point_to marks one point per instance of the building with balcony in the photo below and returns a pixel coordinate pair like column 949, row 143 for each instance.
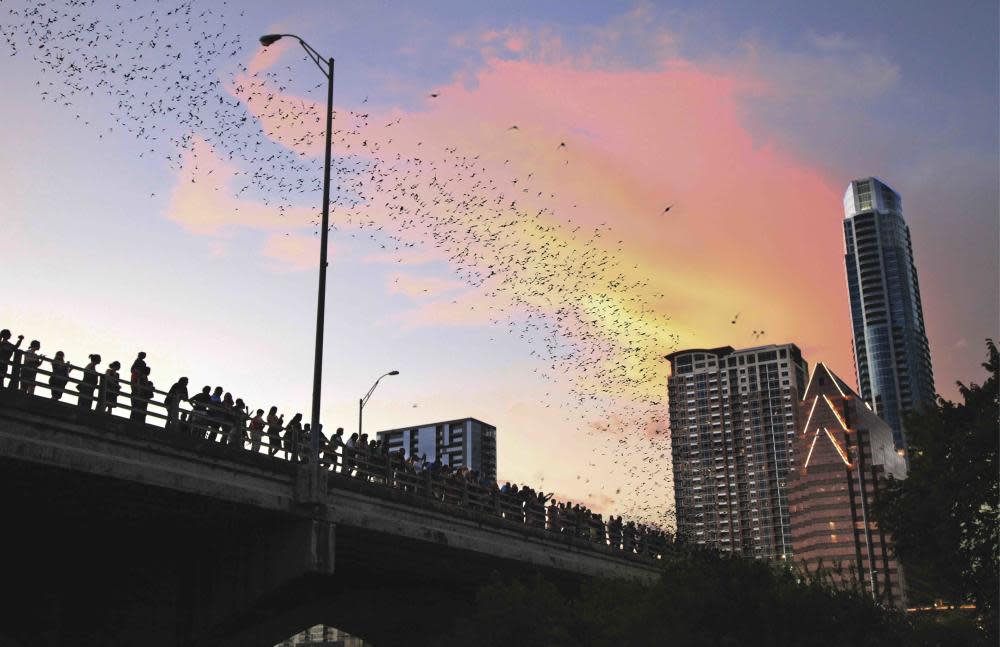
column 891, row 355
column 733, row 418
column 845, row 452
column 466, row 442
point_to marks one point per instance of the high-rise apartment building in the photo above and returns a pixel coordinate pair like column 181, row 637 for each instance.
column 891, row 355
column 458, row 443
column 844, row 454
column 733, row 417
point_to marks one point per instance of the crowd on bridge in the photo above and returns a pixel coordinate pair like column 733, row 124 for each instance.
column 216, row 416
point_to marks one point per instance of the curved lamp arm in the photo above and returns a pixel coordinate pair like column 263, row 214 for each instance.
column 321, row 63
column 368, row 395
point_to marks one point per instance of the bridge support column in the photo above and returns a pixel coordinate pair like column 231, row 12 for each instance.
column 260, row 576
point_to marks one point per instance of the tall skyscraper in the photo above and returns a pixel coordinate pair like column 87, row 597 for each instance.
column 733, row 418
column 891, row 355
column 845, row 452
column 467, row 443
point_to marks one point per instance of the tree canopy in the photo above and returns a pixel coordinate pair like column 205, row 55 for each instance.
column 944, row 515
column 703, row 598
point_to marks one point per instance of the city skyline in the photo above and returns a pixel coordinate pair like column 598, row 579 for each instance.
column 753, row 228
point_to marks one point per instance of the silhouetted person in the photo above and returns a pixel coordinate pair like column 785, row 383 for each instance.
column 215, row 414
column 177, row 394
column 334, row 448
column 59, row 377
column 274, row 423
column 112, row 386
column 305, row 443
column 138, row 370
column 29, row 366
column 225, row 416
column 236, row 421
column 256, row 430
column 88, row 384
column 350, row 451
column 199, row 410
column 292, row 432
column 142, row 393
column 6, row 352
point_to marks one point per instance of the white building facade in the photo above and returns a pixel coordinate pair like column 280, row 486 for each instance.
column 466, row 442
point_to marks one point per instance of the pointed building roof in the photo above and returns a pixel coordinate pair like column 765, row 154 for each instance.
column 828, row 383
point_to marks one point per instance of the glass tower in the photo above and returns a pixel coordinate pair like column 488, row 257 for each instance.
column 891, row 355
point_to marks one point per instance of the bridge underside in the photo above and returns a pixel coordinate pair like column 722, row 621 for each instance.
column 92, row 560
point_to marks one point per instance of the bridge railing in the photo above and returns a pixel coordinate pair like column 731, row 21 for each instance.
column 119, row 396
column 211, row 422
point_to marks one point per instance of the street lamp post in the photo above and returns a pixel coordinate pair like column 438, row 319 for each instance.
column 363, row 401
column 326, row 67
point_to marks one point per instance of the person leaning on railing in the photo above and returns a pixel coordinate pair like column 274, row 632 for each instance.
column 274, row 424
column 87, row 386
column 112, row 386
column 178, row 393
column 334, row 449
column 138, row 369
column 350, row 449
column 291, row 439
column 142, row 392
column 213, row 411
column 29, row 366
column 59, row 376
column 223, row 413
column 7, row 350
column 199, row 411
column 256, row 430
column 236, row 417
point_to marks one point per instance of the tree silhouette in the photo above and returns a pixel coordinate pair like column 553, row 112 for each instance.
column 703, row 598
column 944, row 515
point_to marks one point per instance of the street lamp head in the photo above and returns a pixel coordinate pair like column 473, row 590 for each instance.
column 269, row 39
column 393, row 372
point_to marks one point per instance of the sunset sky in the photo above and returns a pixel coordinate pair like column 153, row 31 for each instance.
column 749, row 119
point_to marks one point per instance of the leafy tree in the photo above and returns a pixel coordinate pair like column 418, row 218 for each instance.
column 944, row 515
column 702, row 599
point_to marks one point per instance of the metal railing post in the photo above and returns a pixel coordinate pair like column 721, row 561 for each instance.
column 15, row 370
column 102, row 392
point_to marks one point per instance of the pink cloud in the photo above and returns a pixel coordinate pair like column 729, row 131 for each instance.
column 514, row 44
column 203, row 200
column 293, row 253
column 751, row 228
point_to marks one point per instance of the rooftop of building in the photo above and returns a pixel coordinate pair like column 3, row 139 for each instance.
column 435, row 424
column 723, row 351
column 883, row 198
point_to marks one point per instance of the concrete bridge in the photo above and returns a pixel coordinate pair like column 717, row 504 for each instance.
column 121, row 533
